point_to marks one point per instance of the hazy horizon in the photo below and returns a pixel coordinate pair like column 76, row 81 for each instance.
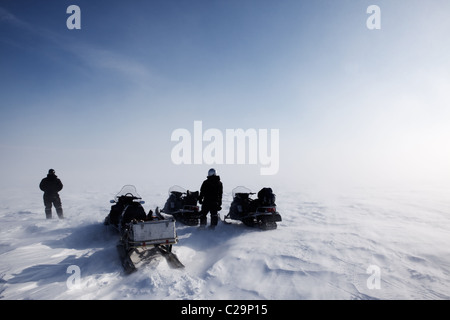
column 100, row 104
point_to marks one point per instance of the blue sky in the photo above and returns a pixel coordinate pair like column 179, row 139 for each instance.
column 350, row 103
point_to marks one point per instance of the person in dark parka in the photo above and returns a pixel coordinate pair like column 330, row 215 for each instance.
column 51, row 185
column 211, row 198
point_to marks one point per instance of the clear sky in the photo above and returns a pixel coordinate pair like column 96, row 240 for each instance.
column 99, row 104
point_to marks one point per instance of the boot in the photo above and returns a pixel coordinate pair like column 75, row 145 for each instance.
column 214, row 221
column 203, row 221
column 59, row 211
column 48, row 213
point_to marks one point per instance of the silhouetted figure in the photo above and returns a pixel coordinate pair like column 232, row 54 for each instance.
column 51, row 185
column 211, row 198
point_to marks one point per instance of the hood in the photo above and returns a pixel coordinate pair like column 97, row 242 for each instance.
column 213, row 178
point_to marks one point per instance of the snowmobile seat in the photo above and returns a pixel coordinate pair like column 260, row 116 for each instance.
column 191, row 198
column 134, row 211
column 252, row 205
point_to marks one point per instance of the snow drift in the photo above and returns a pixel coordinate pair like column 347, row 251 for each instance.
column 361, row 244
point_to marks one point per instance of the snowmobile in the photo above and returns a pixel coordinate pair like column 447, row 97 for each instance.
column 140, row 232
column 182, row 205
column 261, row 212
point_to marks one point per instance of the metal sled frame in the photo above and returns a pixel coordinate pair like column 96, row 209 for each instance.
column 159, row 232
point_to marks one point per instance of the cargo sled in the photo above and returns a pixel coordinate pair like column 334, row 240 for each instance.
column 140, row 232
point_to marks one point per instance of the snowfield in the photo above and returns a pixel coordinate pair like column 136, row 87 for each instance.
column 366, row 243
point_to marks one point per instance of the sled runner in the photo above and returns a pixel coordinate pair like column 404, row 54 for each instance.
column 260, row 213
column 139, row 231
column 182, row 205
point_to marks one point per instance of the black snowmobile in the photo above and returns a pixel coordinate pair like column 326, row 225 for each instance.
column 140, row 232
column 182, row 205
column 261, row 212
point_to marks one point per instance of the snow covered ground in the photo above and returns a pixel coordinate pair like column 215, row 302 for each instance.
column 362, row 243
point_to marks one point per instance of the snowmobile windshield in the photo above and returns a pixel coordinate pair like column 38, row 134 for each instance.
column 241, row 189
column 128, row 191
column 177, row 189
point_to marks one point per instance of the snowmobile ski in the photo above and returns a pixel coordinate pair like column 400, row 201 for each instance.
column 171, row 257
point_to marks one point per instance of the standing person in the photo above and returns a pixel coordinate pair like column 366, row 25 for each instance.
column 211, row 198
column 51, row 185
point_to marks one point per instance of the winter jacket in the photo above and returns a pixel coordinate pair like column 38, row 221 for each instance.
column 51, row 184
column 211, row 191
